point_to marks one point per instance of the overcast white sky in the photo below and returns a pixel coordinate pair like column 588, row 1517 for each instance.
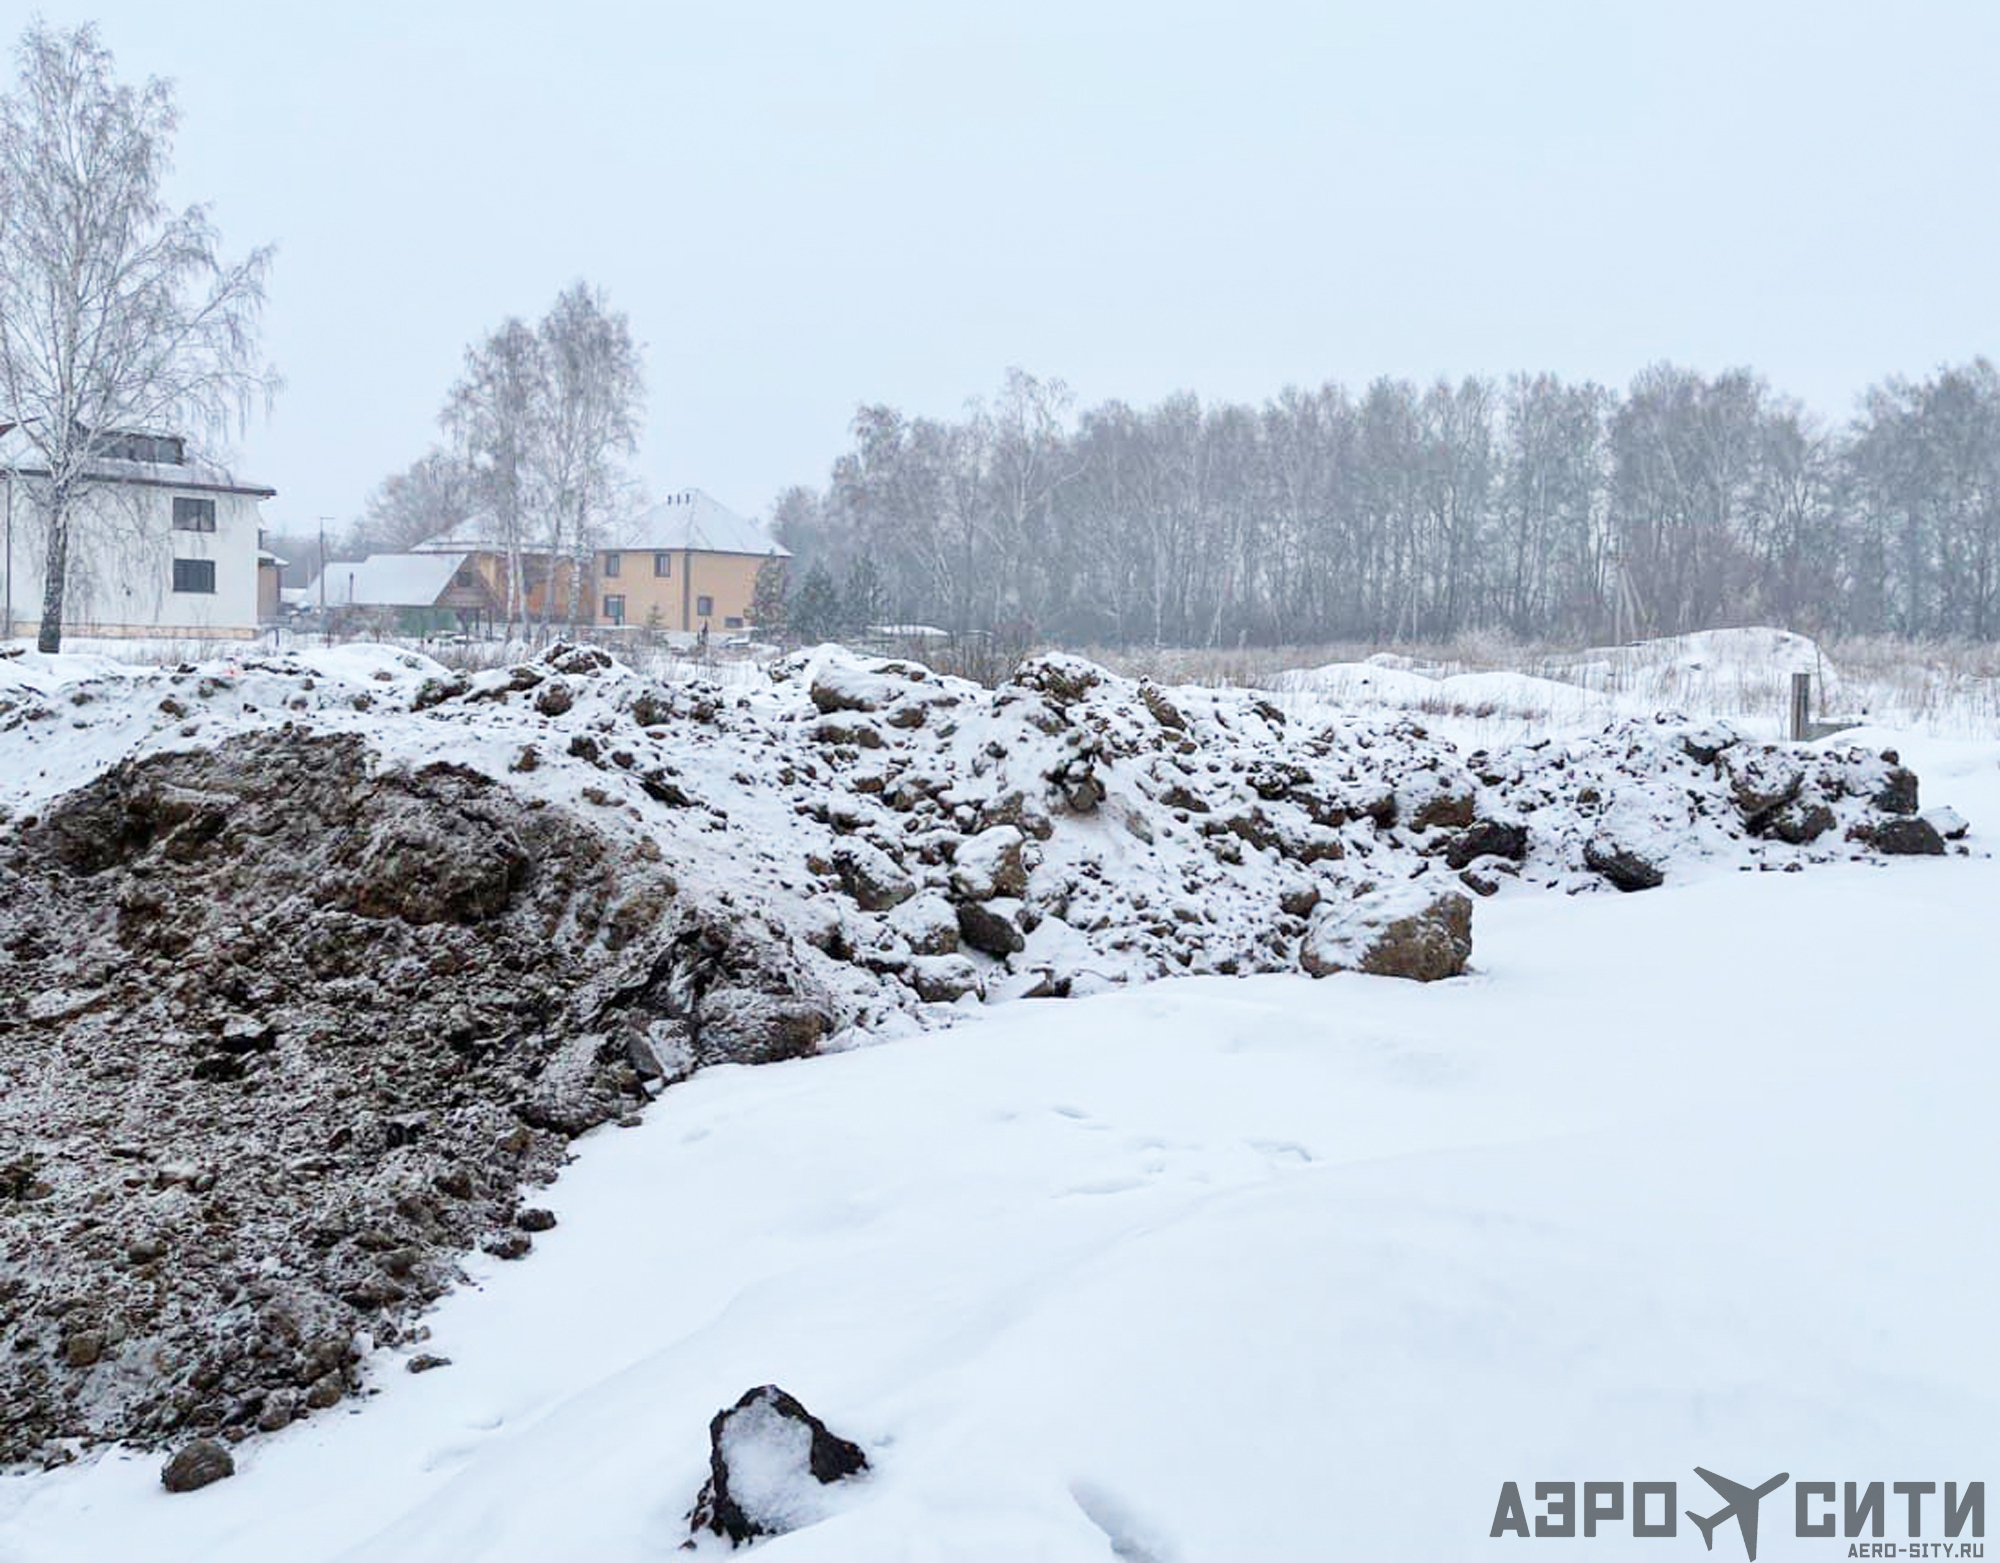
column 806, row 206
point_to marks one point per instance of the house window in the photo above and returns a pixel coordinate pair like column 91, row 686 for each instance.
column 611, row 565
column 193, row 515
column 663, row 564
column 614, row 609
column 464, row 577
column 732, row 624
column 161, row 450
column 704, row 606
column 194, row 575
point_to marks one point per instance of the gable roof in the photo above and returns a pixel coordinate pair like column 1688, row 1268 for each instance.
column 18, row 456
column 386, row 581
column 688, row 519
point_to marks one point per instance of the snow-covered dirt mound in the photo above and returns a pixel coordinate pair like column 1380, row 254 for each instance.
column 290, row 1038
column 922, row 840
column 316, row 935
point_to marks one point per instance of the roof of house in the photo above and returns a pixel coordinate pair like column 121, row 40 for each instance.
column 386, row 581
column 688, row 519
column 19, row 455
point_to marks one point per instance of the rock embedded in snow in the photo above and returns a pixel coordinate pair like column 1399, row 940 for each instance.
column 1762, row 780
column 943, row 979
column 1407, row 930
column 1064, row 678
column 1907, row 837
column 1163, row 710
column 1624, row 867
column 1898, row 791
column 873, row 878
column 842, row 684
column 991, row 927
column 928, row 923
column 990, row 864
column 196, row 1465
column 769, row 1465
column 1487, row 838
column 1946, row 821
column 1797, row 822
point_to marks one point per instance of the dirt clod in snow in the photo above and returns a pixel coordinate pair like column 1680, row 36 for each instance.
column 1408, row 931
column 1620, row 865
column 1908, row 838
column 196, row 1465
column 769, row 1461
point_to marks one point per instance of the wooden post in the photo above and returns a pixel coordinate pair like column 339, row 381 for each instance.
column 1801, row 722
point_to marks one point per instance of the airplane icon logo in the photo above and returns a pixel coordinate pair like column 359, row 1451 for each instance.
column 1742, row 1503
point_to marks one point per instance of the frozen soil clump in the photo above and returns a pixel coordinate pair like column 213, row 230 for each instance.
column 287, row 1034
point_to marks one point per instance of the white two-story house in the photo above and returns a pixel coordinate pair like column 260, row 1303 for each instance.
column 162, row 543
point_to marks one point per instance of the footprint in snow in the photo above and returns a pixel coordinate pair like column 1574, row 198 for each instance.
column 1131, row 1537
column 1105, row 1186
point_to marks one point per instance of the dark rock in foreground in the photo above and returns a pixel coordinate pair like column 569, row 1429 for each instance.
column 1405, row 931
column 1907, row 837
column 200, row 1463
column 1621, row 866
column 769, row 1461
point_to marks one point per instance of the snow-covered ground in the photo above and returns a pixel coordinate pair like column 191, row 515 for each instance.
column 1256, row 1269
column 1743, row 675
column 1260, row 1269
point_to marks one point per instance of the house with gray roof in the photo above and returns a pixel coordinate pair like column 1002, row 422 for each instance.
column 403, row 594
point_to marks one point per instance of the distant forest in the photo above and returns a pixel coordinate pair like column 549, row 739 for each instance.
column 1534, row 506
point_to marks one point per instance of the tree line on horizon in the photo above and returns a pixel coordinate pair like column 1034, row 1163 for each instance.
column 1533, row 506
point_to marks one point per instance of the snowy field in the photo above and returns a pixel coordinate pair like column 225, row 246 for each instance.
column 1499, row 693
column 1262, row 1269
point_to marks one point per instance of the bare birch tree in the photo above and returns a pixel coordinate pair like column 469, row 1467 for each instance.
column 431, row 495
column 593, row 390
column 491, row 415
column 116, row 313
column 541, row 419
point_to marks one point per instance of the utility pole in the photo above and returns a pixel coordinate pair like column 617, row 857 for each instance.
column 8, row 477
column 325, row 633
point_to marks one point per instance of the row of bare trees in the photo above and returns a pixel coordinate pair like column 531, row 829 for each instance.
column 1541, row 507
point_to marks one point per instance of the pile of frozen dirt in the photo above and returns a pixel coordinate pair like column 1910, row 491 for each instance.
column 325, row 959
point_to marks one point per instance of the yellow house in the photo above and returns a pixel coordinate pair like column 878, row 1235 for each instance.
column 686, row 565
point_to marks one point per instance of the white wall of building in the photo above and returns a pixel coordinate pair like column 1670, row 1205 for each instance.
column 122, row 577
